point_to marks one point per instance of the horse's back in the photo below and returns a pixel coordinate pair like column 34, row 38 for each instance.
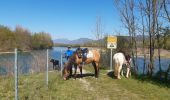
column 119, row 58
column 93, row 55
column 96, row 55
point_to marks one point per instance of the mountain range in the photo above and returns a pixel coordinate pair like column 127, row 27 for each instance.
column 77, row 41
column 85, row 40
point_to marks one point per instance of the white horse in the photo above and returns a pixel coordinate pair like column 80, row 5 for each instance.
column 119, row 59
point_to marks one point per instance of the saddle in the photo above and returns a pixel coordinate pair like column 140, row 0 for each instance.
column 85, row 51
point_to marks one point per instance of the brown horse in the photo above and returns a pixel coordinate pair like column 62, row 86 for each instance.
column 77, row 59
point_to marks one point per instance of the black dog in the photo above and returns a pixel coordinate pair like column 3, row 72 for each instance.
column 55, row 63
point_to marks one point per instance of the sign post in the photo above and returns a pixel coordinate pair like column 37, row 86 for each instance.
column 111, row 50
column 111, row 44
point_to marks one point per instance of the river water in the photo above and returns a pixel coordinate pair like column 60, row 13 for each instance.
column 35, row 61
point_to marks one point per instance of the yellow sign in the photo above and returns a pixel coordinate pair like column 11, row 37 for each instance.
column 112, row 39
column 112, row 42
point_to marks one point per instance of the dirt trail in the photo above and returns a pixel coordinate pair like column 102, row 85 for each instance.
column 85, row 83
column 119, row 92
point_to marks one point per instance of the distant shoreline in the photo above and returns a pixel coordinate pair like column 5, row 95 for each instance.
column 10, row 52
column 164, row 53
column 155, row 56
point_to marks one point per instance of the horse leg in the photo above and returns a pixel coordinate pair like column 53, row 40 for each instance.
column 70, row 70
column 119, row 69
column 80, row 67
column 115, row 69
column 54, row 67
column 58, row 67
column 122, row 72
column 75, row 71
column 94, row 65
column 97, row 69
column 127, row 73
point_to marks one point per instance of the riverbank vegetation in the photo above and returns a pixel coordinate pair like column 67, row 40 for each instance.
column 23, row 39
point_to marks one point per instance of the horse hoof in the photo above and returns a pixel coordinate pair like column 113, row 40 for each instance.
column 119, row 78
column 65, row 78
column 74, row 78
column 127, row 77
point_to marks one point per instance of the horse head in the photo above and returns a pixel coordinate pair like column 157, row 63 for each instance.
column 128, row 60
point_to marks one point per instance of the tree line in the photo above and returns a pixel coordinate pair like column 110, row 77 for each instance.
column 23, row 39
column 149, row 18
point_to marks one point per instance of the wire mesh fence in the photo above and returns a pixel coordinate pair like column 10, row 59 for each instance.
column 28, row 62
column 7, row 64
column 21, row 65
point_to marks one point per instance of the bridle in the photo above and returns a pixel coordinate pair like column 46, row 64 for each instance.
column 79, row 53
column 128, row 63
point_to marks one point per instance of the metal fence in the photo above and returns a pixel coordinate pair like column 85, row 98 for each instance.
column 27, row 62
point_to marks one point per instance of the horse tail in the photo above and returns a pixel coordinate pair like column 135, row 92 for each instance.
column 115, row 67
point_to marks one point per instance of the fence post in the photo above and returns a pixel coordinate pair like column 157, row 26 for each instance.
column 111, row 59
column 47, row 70
column 61, row 63
column 16, row 75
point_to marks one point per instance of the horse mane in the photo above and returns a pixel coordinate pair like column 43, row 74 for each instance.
column 127, row 56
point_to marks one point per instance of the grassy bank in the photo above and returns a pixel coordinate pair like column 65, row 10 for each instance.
column 32, row 87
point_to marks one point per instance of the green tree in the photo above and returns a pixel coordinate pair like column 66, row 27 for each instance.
column 7, row 39
column 23, row 38
column 41, row 40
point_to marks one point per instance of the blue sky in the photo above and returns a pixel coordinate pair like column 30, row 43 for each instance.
column 71, row 19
